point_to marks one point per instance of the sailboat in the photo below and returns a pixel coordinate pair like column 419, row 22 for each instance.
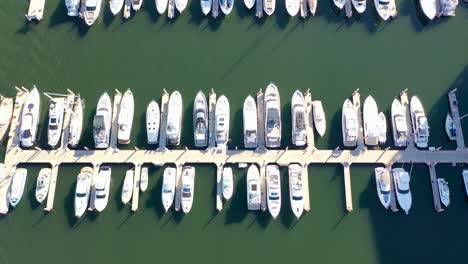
column 174, row 119
column 16, row 190
column 125, row 118
column 272, row 117
column 359, row 5
column 90, row 11
column 419, row 123
column 127, row 188
column 54, row 129
column 399, row 124
column 161, row 6
column 200, row 120
column 298, row 116
column 269, row 6
column 250, row 122
column 296, row 189
column 76, row 123
column 292, row 7
column 83, row 187
column 383, row 183
column 6, row 114
column 228, row 183
column 73, row 7
column 116, row 6
column 273, row 183
column 349, row 124
column 102, row 188
column 444, row 191
column 249, row 3
column 144, row 179
column 30, row 119
column 206, row 6
column 153, row 117
column 450, row 127
column 226, row 6
column 253, row 188
column 42, row 184
column 168, row 187
column 320, row 122
column 370, row 120
column 222, row 121
column 102, row 122
column 188, row 188
column 382, row 128
column 402, row 188
column 429, row 8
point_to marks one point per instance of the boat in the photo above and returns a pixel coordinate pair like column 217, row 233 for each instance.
column 450, row 127
column 102, row 122
column 465, row 180
column 200, row 121
column 168, row 187
column 153, row 118
column 292, row 7
column 83, row 187
column 35, row 10
column 296, row 189
column 16, row 190
column 444, row 191
column 76, row 123
column 161, row 6
column 102, row 188
column 402, row 188
column 30, row 119
column 320, row 122
column 206, row 6
column 370, row 116
column 125, row 118
column 250, row 122
column 188, row 188
column 383, row 183
column 116, row 6
column 359, row 5
column 73, row 7
column 6, row 114
column 349, row 124
column 272, row 117
column 312, row 6
column 269, row 6
column 382, row 128
column 181, row 5
column 249, row 3
column 136, row 4
column 144, row 179
column 385, row 8
column 429, row 8
column 54, row 129
column 90, row 11
column 228, row 183
column 298, row 116
column 222, row 121
column 419, row 123
column 42, row 184
column 174, row 119
column 447, row 7
column 339, row 3
column 273, row 184
column 226, row 6
column 253, row 188
column 399, row 124
column 127, row 188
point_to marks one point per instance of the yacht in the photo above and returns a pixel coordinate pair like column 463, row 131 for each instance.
column 419, row 123
column 370, row 118
column 296, row 189
column 273, row 184
column 181, row 5
column 450, row 127
column 382, row 128
column 125, row 118
column 312, row 6
column 383, row 183
column 465, row 180
column 144, row 179
column 402, row 188
column 205, row 6
column 102, row 188
column 6, row 114
column 269, row 6
column 339, row 3
column 116, row 6
column 161, row 6
column 292, row 6
column 249, row 3
column 429, row 8
column 90, row 11
column 272, row 117
column 136, row 4
column 399, row 124
column 200, row 120
column 250, row 122
column 73, row 7
column 349, row 124
column 30, row 119
column 298, row 117
column 168, row 187
column 174, row 119
column 359, row 5
column 444, row 191
column 17, row 186
column 76, row 123
column 385, row 8
column 102, row 122
column 153, row 118
column 447, row 7
column 320, row 122
column 83, row 187
column 42, row 184
column 226, row 6
column 127, row 188
column 253, row 188
column 222, row 121
column 188, row 188
column 54, row 130
column 228, row 183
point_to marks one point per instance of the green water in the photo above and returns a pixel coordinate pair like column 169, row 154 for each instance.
column 236, row 56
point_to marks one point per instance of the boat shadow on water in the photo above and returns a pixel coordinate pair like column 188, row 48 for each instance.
column 236, row 211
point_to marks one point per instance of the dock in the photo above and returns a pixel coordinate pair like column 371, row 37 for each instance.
column 263, row 191
column 219, row 188
column 136, row 187
column 309, row 121
column 35, row 10
column 357, row 105
column 178, row 191
column 215, row 9
column 305, row 186
column 434, row 187
column 405, row 103
column 259, row 9
column 348, row 9
column 456, row 119
column 212, row 119
column 261, row 122
column 393, row 199
column 115, row 120
column 52, row 186
column 69, row 102
column 163, row 125
column 347, row 187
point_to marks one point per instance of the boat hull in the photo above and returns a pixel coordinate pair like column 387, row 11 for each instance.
column 222, row 116
column 16, row 190
column 272, row 117
column 76, row 123
column 161, row 6
column 174, row 119
column 29, row 119
column 399, row 124
column 320, row 121
column 296, row 191
column 188, row 181
column 253, row 188
column 228, row 183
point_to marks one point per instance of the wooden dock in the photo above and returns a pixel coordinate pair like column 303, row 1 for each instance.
column 305, row 186
column 393, row 199
column 163, row 125
column 178, row 191
column 456, row 118
column 405, row 103
column 259, row 9
column 309, row 121
column 136, row 187
column 261, row 122
column 212, row 120
column 115, row 117
column 360, row 132
column 219, row 188
column 434, row 187
column 347, row 187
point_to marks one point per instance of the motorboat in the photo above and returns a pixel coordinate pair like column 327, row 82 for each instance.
column 200, row 121
column 6, row 114
column 83, row 187
column 153, row 118
column 205, row 6
column 181, row 5
column 447, row 7
column 127, row 188
column 429, row 8
column 312, row 6
column 161, row 6
column 116, row 6
column 136, row 4
column 349, row 124
column 383, row 183
column 273, row 184
column 168, row 187
column 222, row 121
column 382, row 128
column 385, row 8
column 73, row 7
column 419, row 123
column 144, row 179
column 402, row 188
column 450, row 127
column 30, row 119
column 174, row 119
column 253, row 188
column 102, row 122
column 370, row 116
column 359, row 5
column 35, row 10
column 76, row 123
column 399, row 124
column 444, row 191
column 250, row 122
column 320, row 122
column 125, row 118
column 42, row 184
column 249, row 3
column 298, row 117
column 54, row 129
column 292, row 7
column 90, row 10
column 228, row 183
column 102, row 188
column 296, row 189
column 339, row 3
column 226, row 6
column 272, row 117
column 17, row 186
column 465, row 180
column 188, row 188
column 269, row 6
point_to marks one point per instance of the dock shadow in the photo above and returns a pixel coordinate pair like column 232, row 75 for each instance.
column 287, row 217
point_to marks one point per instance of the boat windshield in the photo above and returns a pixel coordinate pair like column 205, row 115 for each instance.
column 53, row 127
column 273, row 118
column 98, row 122
column 101, row 196
column 297, row 198
column 274, row 198
column 53, row 120
column 186, row 195
column 384, row 2
column 300, row 124
column 27, row 133
column 80, row 195
column 253, row 187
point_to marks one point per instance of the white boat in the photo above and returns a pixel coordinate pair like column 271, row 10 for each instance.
column 382, row 128
column 320, row 122
column 465, row 180
column 35, row 10
column 292, row 6
column 450, row 127
column 339, row 3
column 222, row 121
column 385, row 8
column 116, row 6
column 359, row 5
column 402, row 188
column 102, row 122
column 200, row 120
column 447, row 7
column 206, row 6
column 153, row 118
column 76, row 123
column 30, row 119
column 174, row 119
column 250, row 122
column 161, row 6
column 419, row 123
column 249, row 3
column 83, row 187
column 370, row 118
column 349, row 124
column 90, row 10
column 444, row 191
column 312, row 6
column 226, row 6
column 6, row 114
column 144, row 179
column 298, row 116
column 269, row 6
column 188, row 188
column 17, row 186
column 181, row 5
column 54, row 129
column 73, row 7
column 429, row 8
column 136, row 4
column 228, row 183
column 125, row 118
column 273, row 184
column 383, row 183
column 127, row 188
column 296, row 189
column 253, row 188
column 42, row 184
column 399, row 124
column 102, row 188
column 272, row 117
column 168, row 187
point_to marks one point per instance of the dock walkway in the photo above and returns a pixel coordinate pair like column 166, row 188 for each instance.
column 456, row 118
